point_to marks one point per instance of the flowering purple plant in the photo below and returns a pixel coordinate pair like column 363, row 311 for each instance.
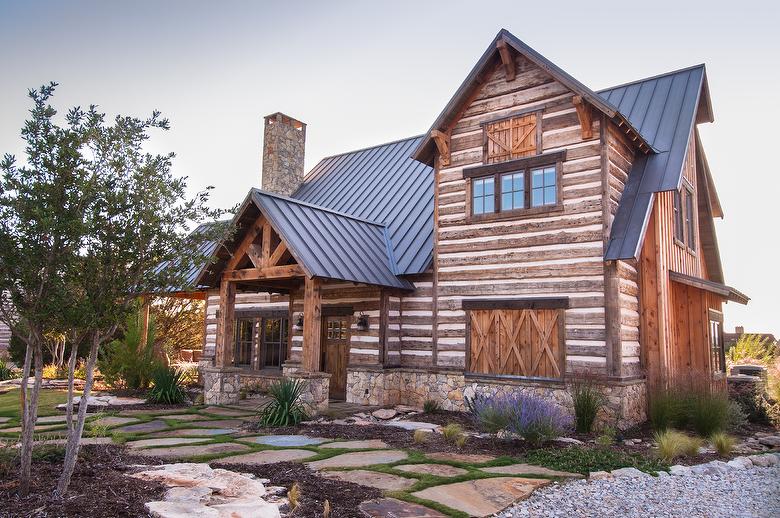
column 535, row 419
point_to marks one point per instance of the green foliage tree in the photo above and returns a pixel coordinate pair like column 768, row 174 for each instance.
column 753, row 349
column 127, row 362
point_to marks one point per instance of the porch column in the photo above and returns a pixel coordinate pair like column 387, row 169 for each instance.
column 227, row 302
column 312, row 324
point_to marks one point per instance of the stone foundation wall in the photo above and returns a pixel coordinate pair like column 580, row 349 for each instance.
column 315, row 394
column 221, row 386
column 625, row 401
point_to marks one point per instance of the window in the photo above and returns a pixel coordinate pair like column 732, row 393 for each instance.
column 261, row 342
column 510, row 138
column 337, row 330
column 685, row 217
column 512, row 191
column 717, row 351
column 245, row 339
column 274, row 346
column 544, row 187
column 526, row 185
column 483, row 200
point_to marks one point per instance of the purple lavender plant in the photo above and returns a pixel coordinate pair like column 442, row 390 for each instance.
column 537, row 420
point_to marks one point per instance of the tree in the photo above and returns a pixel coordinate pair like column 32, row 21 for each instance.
column 179, row 325
column 137, row 240
column 41, row 229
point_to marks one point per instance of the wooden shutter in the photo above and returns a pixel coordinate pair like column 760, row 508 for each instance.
column 525, row 342
column 510, row 138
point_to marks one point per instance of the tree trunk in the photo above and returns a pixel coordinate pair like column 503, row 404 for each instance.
column 71, row 380
column 74, row 434
column 29, row 410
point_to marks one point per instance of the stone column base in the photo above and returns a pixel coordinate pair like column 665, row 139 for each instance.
column 221, row 386
column 315, row 394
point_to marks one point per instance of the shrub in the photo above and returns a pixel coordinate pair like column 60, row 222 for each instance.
column 127, row 362
column 189, row 372
column 705, row 412
column 167, row 387
column 451, row 432
column 430, row 406
column 537, row 420
column 737, row 418
column 460, row 441
column 607, row 437
column 284, row 408
column 490, row 414
column 588, row 400
column 55, row 372
column 752, row 399
column 723, row 443
column 80, row 372
column 6, row 372
column 753, row 349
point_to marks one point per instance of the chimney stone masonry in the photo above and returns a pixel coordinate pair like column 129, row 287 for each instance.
column 284, row 143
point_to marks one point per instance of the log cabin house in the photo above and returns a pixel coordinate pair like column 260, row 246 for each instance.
column 538, row 232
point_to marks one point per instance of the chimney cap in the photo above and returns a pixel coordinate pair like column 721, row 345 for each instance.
column 280, row 117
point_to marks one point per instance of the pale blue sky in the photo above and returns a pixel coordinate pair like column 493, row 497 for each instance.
column 362, row 73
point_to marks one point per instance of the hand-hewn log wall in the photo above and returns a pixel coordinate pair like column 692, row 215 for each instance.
column 558, row 254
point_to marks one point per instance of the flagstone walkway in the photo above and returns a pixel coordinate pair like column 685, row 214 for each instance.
column 430, row 485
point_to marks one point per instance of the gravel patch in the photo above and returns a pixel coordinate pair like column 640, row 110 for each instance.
column 751, row 492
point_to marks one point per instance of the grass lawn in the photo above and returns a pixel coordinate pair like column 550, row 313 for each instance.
column 49, row 398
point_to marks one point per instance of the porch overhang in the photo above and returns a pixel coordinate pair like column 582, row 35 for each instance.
column 727, row 292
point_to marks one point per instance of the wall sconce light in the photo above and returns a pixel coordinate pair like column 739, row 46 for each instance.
column 362, row 322
column 298, row 325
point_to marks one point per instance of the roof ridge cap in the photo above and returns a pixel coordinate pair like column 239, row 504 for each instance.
column 650, row 78
column 396, row 141
column 318, row 207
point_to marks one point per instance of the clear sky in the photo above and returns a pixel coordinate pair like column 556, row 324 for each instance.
column 363, row 73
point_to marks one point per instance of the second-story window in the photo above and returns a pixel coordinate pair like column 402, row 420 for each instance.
column 685, row 217
column 524, row 186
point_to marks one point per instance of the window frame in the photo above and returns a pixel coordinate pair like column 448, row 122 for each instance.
column 520, row 165
column 257, row 351
column 685, row 218
column 715, row 317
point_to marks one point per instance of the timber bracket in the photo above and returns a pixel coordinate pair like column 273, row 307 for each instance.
column 506, row 60
column 442, row 141
column 585, row 115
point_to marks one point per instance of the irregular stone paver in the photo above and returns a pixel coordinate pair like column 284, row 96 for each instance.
column 358, row 445
column 286, row 440
column 384, row 413
column 107, row 400
column 219, row 423
column 267, row 457
column 6, row 419
column 113, row 421
column 528, row 469
column 18, row 429
column 384, row 481
column 439, row 470
column 227, row 412
column 172, row 441
column 409, row 425
column 472, row 458
column 85, row 441
column 198, row 491
column 180, row 417
column 49, row 419
column 190, row 432
column 193, row 450
column 482, row 497
column 384, row 507
column 359, row 459
column 150, row 426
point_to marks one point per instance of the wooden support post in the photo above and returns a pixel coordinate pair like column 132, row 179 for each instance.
column 227, row 303
column 145, row 310
column 312, row 324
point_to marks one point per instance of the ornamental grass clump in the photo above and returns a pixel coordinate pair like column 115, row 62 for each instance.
column 673, row 444
column 723, row 443
column 587, row 400
column 285, row 407
column 6, row 372
column 491, row 414
column 167, row 386
column 537, row 420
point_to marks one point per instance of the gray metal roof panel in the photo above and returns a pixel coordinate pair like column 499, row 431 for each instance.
column 663, row 108
column 382, row 184
column 331, row 244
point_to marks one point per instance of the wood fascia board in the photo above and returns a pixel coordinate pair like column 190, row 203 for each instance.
column 523, row 303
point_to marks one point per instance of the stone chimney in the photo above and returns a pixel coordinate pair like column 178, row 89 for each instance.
column 740, row 330
column 284, row 142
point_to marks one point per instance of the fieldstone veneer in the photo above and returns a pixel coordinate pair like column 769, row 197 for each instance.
column 221, row 386
column 625, row 401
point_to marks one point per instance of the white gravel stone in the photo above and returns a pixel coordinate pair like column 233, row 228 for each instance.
column 680, row 471
column 629, row 473
column 734, row 494
column 599, row 475
column 740, row 463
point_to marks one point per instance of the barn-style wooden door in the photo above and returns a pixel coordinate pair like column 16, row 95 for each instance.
column 335, row 352
column 510, row 138
column 516, row 342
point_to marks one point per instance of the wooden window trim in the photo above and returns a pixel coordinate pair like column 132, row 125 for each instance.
column 714, row 315
column 527, row 303
column 521, row 165
column 688, row 243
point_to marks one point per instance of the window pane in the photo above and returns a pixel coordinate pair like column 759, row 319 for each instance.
column 519, row 182
column 549, row 176
column 489, row 186
column 490, row 205
column 549, row 195
column 537, row 197
column 477, row 188
column 537, row 178
column 506, row 201
column 506, row 183
column 519, row 199
column 478, row 208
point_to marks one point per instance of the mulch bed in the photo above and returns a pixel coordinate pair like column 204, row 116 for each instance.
column 99, row 488
column 400, row 438
column 344, row 497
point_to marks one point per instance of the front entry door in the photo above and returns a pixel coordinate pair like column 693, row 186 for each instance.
column 335, row 349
